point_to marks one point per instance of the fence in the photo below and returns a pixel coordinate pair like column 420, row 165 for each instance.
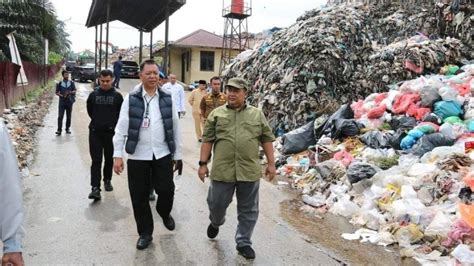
column 10, row 92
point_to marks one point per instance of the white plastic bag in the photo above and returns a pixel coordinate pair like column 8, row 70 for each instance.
column 440, row 226
column 422, row 169
column 448, row 93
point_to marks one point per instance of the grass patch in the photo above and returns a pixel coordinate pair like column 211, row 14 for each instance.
column 37, row 92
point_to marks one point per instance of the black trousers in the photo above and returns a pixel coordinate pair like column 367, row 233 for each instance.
column 64, row 107
column 101, row 145
column 139, row 183
column 116, row 81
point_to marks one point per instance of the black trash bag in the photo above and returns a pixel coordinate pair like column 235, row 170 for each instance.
column 396, row 138
column 429, row 96
column 345, row 128
column 403, row 122
column 358, row 171
column 344, row 112
column 299, row 139
column 428, row 142
column 376, row 139
column 433, row 118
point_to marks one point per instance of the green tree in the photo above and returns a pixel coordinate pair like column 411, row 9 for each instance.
column 32, row 21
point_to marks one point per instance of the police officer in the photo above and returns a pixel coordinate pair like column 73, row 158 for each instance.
column 103, row 107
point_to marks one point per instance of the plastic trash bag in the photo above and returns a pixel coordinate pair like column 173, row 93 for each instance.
column 445, row 109
column 448, row 94
column 439, row 226
column 344, row 157
column 376, row 112
column 429, row 96
column 299, row 139
column 420, row 170
column 345, row 128
column 396, row 139
column 403, row 122
column 411, row 207
column 358, row 171
column 412, row 137
column 344, row 207
column 440, row 153
column 464, row 254
column 403, row 102
column 453, row 131
column 433, row 118
column 453, row 120
column 431, row 141
column 344, row 112
column 376, row 139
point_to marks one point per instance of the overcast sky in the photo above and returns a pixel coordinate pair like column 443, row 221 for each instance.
column 194, row 15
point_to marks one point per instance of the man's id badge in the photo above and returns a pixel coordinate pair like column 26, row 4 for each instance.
column 146, row 122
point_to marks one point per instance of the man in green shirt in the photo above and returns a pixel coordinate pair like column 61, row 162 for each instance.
column 235, row 131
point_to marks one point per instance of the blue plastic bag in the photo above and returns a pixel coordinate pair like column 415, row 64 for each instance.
column 413, row 136
column 445, row 109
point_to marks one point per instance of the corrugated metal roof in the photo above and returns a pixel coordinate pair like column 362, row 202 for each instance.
column 144, row 15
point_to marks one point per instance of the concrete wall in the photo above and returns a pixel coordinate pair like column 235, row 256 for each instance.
column 195, row 72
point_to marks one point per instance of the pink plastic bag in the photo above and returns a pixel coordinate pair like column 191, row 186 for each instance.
column 345, row 157
column 403, row 102
column 358, row 109
column 380, row 98
column 377, row 112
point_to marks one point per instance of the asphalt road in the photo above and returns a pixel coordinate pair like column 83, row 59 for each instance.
column 65, row 227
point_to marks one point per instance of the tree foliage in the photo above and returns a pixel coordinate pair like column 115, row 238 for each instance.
column 32, row 21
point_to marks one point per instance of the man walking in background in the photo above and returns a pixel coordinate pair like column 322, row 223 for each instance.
column 177, row 91
column 212, row 100
column 103, row 107
column 11, row 210
column 117, row 72
column 66, row 90
column 235, row 131
column 195, row 101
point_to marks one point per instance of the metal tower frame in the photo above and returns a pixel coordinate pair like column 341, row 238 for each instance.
column 234, row 25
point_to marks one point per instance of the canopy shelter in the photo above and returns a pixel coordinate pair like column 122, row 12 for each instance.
column 144, row 15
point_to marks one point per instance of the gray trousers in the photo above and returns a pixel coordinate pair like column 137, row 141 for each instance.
column 220, row 196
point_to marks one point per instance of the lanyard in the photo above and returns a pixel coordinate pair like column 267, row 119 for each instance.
column 148, row 105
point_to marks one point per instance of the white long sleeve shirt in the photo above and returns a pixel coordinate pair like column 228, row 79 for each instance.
column 177, row 91
column 11, row 196
column 151, row 140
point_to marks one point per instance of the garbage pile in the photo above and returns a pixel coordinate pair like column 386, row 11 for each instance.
column 398, row 164
column 334, row 55
column 22, row 122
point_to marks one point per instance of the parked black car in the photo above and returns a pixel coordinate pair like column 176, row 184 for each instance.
column 83, row 73
column 130, row 69
column 70, row 65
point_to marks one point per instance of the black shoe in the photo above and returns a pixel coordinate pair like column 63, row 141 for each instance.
column 95, row 194
column 169, row 223
column 68, row 131
column 152, row 197
column 246, row 252
column 144, row 241
column 212, row 231
column 108, row 186
column 58, row 133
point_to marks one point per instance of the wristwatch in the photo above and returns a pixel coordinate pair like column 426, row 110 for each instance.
column 201, row 163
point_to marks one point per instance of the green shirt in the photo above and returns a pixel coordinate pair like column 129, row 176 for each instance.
column 236, row 136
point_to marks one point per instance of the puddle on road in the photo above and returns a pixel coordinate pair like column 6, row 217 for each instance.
column 324, row 231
